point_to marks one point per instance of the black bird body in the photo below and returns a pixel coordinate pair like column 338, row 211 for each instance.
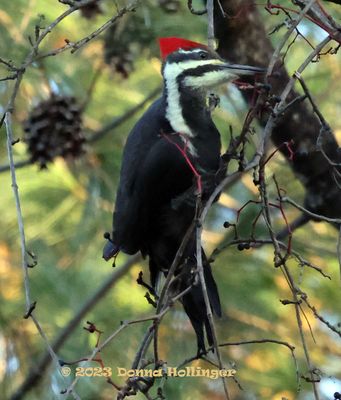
column 156, row 198
column 154, row 172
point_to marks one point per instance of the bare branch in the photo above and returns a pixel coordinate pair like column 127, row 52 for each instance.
column 339, row 250
column 8, row 123
column 116, row 122
column 285, row 38
column 33, row 54
column 10, row 66
column 200, row 269
column 25, row 265
column 19, row 164
column 74, row 46
column 124, row 324
column 293, row 288
column 304, row 297
column 255, row 341
column 314, row 216
column 210, row 24
column 37, row 373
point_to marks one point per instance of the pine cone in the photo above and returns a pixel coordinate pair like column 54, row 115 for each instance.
column 120, row 58
column 91, row 10
column 125, row 40
column 170, row 6
column 54, row 128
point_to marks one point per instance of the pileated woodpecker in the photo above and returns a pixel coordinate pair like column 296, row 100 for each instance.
column 174, row 142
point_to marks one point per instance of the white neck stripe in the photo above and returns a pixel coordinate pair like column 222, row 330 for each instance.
column 173, row 110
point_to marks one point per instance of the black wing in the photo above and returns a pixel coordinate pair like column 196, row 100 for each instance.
column 153, row 172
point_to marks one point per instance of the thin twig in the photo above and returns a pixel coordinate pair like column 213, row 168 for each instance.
column 312, row 102
column 311, row 214
column 257, row 243
column 285, row 38
column 339, row 250
column 75, row 46
column 255, row 341
column 33, row 54
column 210, row 24
column 124, row 324
column 24, row 262
column 170, row 274
column 256, row 161
column 209, row 314
column 280, row 261
column 288, row 276
column 304, row 297
column 118, row 121
column 163, row 300
column 299, row 71
column 19, row 164
column 37, row 373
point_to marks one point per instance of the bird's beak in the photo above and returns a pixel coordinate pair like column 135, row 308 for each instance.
column 240, row 70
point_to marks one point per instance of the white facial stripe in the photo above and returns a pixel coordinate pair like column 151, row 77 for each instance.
column 183, row 51
column 209, row 79
column 173, row 112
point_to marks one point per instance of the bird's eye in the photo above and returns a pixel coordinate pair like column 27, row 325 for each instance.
column 203, row 55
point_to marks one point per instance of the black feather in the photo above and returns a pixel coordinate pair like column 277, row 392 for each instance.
column 155, row 203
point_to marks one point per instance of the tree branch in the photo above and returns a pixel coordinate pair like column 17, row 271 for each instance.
column 37, row 372
column 249, row 44
column 30, row 306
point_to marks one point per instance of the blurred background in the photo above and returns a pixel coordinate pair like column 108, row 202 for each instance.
column 67, row 196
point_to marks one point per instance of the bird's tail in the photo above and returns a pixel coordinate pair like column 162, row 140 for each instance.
column 194, row 305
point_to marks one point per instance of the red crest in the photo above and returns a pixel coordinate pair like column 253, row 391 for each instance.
column 170, row 44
